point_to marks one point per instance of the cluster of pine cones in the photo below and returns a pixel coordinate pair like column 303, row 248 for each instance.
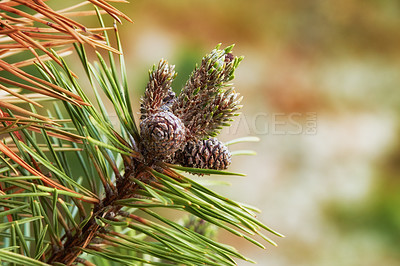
column 181, row 129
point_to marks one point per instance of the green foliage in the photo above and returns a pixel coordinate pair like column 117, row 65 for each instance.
column 99, row 214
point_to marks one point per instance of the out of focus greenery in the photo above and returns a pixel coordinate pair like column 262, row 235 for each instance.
column 335, row 194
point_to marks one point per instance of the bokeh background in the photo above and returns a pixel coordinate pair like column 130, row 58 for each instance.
column 320, row 81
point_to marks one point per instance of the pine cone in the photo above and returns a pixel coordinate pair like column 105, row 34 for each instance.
column 162, row 134
column 205, row 154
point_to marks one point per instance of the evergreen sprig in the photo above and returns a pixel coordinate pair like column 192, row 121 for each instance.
column 75, row 189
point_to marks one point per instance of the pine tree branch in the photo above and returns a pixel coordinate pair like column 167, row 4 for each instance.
column 123, row 174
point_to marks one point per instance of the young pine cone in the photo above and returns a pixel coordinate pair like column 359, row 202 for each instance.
column 205, row 154
column 162, row 134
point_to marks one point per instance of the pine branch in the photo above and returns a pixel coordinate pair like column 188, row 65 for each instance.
column 125, row 174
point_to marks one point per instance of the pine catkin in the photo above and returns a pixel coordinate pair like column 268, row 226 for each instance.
column 158, row 94
column 207, row 101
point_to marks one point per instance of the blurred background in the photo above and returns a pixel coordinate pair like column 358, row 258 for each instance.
column 320, row 81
